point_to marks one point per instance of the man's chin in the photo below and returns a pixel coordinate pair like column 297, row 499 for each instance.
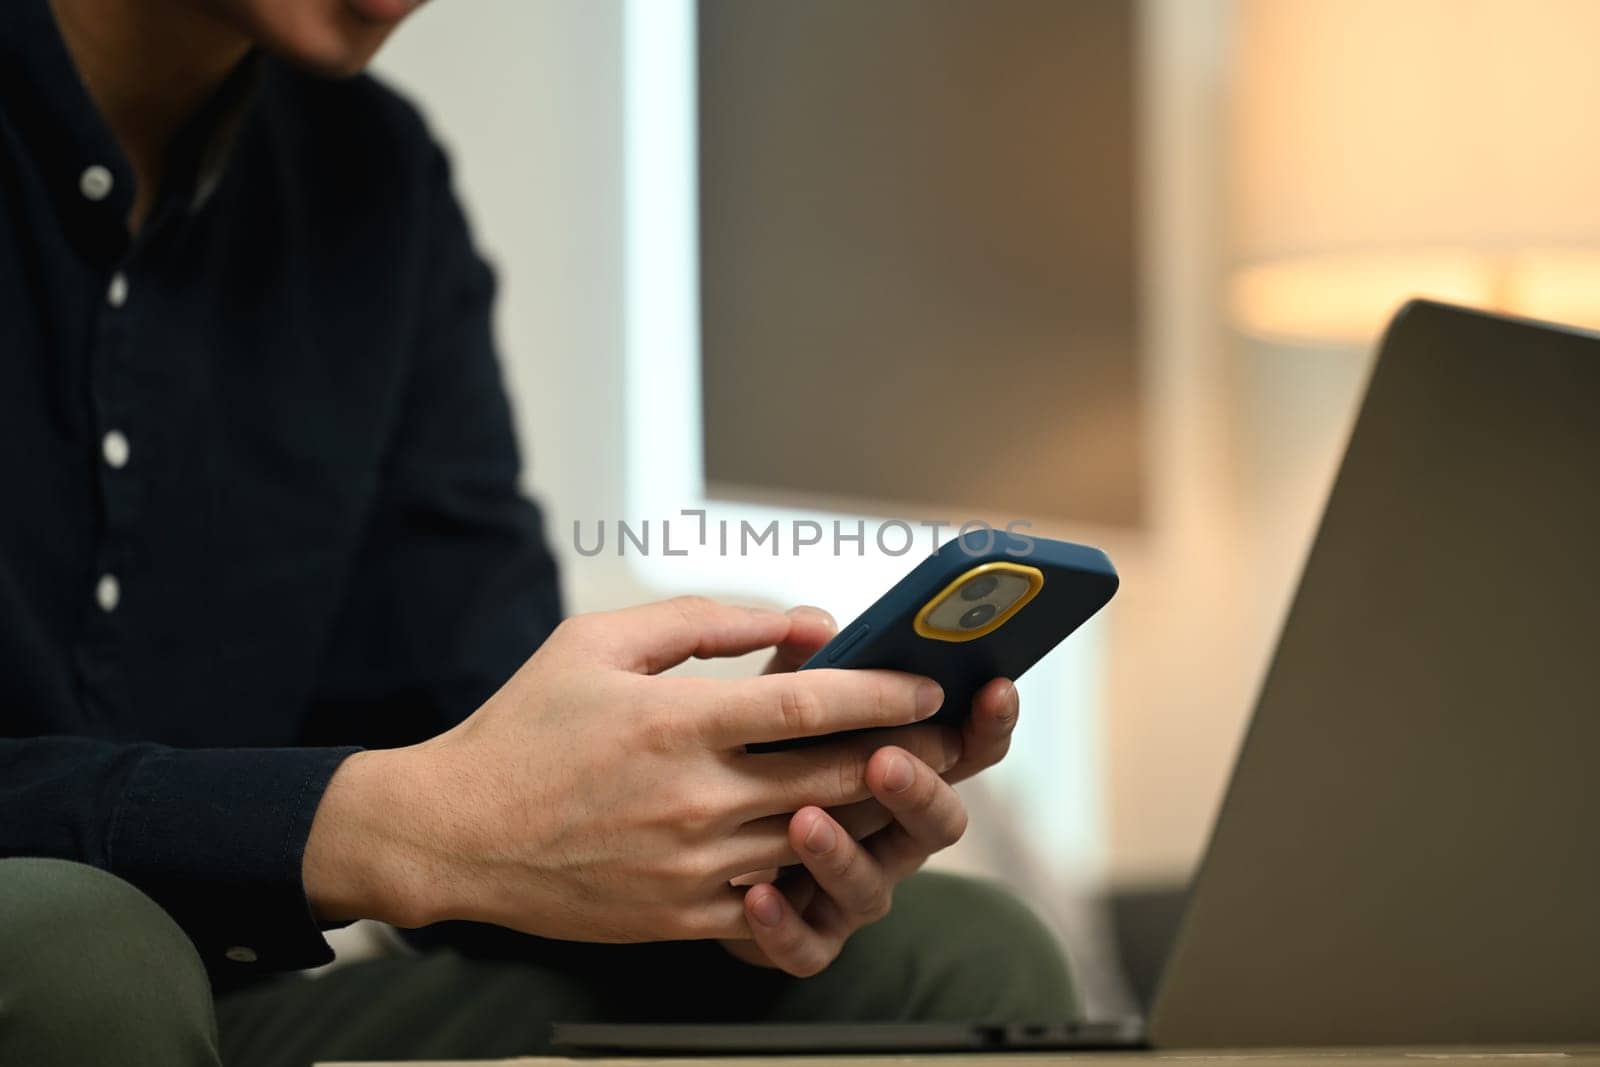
column 332, row 63
column 338, row 53
column 382, row 12
column 331, row 38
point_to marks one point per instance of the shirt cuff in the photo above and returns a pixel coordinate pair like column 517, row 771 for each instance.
column 217, row 838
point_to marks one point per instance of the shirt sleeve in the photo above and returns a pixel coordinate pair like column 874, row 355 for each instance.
column 215, row 836
column 455, row 586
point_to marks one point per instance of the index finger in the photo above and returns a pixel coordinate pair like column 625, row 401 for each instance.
column 809, row 629
column 650, row 638
column 780, row 707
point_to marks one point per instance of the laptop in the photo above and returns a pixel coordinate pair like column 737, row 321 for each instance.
column 1409, row 848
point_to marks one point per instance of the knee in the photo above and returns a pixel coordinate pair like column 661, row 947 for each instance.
column 981, row 953
column 92, row 970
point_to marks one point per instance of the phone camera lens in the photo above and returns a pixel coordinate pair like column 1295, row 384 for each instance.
column 979, row 587
column 973, row 618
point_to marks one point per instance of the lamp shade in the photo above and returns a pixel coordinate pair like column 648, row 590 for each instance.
column 1384, row 149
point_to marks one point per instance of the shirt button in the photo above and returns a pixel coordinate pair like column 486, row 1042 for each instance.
column 117, row 291
column 108, row 592
column 114, row 448
column 95, row 182
column 241, row 954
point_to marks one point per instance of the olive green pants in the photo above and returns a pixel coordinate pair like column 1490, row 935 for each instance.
column 94, row 972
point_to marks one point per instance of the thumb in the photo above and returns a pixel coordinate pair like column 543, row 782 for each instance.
column 651, row 638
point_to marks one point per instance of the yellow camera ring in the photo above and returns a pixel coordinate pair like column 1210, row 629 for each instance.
column 1033, row 575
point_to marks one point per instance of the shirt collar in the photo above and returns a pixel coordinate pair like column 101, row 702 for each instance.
column 75, row 151
column 201, row 152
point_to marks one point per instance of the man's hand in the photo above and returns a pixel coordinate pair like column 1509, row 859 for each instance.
column 854, row 856
column 592, row 799
column 985, row 736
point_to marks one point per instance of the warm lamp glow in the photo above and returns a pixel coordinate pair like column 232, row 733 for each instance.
column 1380, row 150
column 1562, row 285
column 1347, row 297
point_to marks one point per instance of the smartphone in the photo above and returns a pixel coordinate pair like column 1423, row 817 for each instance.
column 988, row 604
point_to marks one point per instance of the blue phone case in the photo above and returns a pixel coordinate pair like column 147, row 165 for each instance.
column 1078, row 581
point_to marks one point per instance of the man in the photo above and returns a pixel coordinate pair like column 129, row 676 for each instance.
column 261, row 509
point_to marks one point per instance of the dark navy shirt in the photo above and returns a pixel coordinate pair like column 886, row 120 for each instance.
column 258, row 484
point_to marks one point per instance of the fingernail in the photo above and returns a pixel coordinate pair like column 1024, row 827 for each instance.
column 1008, row 716
column 820, row 838
column 768, row 911
column 950, row 749
column 899, row 775
column 929, row 698
column 802, row 610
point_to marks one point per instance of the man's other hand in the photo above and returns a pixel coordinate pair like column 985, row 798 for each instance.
column 853, row 856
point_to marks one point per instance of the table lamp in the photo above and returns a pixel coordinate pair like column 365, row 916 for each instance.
column 1385, row 149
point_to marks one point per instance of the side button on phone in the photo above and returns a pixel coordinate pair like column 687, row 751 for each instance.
column 846, row 641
